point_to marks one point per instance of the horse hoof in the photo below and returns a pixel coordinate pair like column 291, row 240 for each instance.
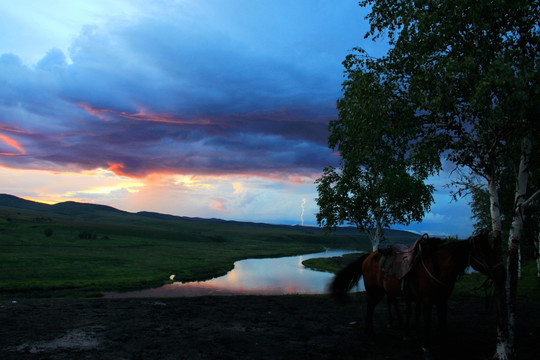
column 427, row 354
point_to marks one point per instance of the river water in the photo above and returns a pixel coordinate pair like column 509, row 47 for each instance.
column 270, row 276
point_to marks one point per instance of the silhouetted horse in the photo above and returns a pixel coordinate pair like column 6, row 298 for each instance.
column 429, row 282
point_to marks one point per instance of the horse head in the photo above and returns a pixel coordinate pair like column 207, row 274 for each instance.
column 482, row 257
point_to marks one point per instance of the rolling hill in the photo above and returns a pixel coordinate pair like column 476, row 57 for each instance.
column 93, row 211
column 73, row 249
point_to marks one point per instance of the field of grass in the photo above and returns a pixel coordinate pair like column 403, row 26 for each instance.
column 79, row 252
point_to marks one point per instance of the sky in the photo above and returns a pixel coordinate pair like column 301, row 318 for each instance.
column 200, row 108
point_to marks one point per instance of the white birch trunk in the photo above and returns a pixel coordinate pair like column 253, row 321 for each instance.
column 494, row 209
column 378, row 236
column 516, row 231
column 503, row 348
column 520, row 274
column 538, row 256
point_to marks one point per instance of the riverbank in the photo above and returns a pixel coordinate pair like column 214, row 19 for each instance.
column 84, row 251
column 254, row 327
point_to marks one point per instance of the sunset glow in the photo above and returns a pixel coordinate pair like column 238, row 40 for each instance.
column 193, row 108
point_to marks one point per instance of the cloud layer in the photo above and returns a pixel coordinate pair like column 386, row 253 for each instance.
column 186, row 92
column 199, row 108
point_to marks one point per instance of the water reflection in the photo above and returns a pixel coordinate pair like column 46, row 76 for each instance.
column 274, row 276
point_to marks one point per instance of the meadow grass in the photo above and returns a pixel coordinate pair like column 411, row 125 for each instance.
column 332, row 264
column 52, row 255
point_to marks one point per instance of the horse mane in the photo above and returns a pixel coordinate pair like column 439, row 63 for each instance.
column 459, row 252
column 428, row 246
column 431, row 244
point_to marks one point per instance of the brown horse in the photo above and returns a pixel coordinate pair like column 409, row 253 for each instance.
column 429, row 282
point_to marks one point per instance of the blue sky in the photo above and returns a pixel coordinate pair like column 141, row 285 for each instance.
column 194, row 108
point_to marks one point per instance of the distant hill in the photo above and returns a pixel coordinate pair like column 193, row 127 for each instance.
column 18, row 203
column 403, row 236
column 76, row 209
column 64, row 208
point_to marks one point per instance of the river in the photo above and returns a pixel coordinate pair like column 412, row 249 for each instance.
column 269, row 276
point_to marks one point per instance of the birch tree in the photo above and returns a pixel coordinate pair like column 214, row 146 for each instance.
column 379, row 181
column 471, row 71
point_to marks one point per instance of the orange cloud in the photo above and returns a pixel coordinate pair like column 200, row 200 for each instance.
column 93, row 111
column 117, row 169
column 13, row 143
column 11, row 129
column 142, row 115
column 165, row 118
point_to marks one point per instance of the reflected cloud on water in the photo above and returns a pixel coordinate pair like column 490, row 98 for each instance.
column 272, row 276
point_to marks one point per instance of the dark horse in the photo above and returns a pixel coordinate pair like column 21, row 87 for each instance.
column 429, row 282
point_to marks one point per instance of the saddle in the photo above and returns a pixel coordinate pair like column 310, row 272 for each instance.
column 398, row 259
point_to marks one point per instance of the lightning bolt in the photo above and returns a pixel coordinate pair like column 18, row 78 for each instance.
column 303, row 208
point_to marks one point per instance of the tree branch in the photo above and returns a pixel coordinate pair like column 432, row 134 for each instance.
column 531, row 198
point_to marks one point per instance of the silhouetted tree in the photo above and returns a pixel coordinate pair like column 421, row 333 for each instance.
column 379, row 181
column 470, row 72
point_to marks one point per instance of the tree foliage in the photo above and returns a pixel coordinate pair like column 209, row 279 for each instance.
column 470, row 69
column 379, row 182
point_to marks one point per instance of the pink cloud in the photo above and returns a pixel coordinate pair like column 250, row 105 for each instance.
column 218, row 205
column 12, row 143
column 142, row 115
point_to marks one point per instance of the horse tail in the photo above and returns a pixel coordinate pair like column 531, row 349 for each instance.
column 347, row 278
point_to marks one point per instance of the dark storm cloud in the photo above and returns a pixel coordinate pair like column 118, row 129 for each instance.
column 167, row 97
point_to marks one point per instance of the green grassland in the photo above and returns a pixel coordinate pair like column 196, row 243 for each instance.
column 80, row 250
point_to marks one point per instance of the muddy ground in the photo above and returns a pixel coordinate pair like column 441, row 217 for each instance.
column 238, row 327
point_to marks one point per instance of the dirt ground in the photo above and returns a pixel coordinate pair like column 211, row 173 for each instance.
column 238, row 327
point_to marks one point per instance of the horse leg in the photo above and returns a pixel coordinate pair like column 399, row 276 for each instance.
column 417, row 312
column 408, row 313
column 398, row 312
column 403, row 325
column 406, row 326
column 426, row 310
column 374, row 295
column 389, row 303
column 394, row 301
column 442, row 311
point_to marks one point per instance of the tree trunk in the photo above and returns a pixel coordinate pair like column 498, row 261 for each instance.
column 495, row 216
column 376, row 240
column 538, row 256
column 515, row 236
column 520, row 264
column 377, row 237
column 506, row 337
column 503, row 349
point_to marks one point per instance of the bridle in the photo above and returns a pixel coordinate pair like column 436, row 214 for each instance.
column 489, row 269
